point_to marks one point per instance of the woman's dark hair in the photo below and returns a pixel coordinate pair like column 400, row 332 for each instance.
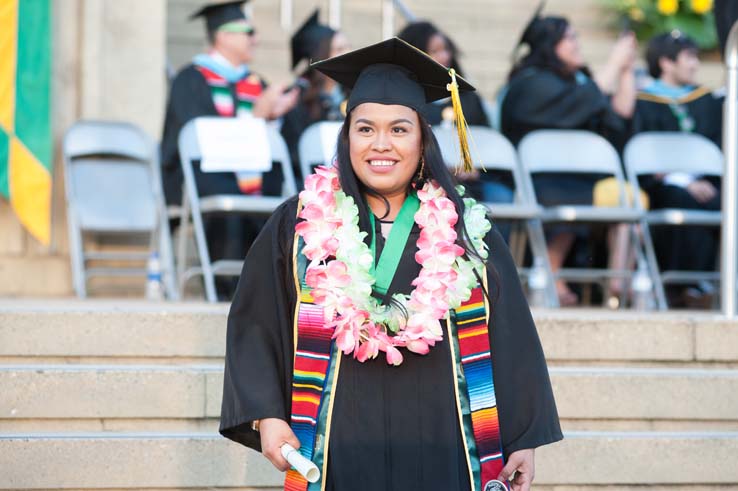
column 419, row 35
column 311, row 97
column 667, row 45
column 542, row 35
column 435, row 168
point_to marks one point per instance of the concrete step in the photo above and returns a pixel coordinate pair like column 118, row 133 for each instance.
column 141, row 332
column 158, row 460
column 194, row 392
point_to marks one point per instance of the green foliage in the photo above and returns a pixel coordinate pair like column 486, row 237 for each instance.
column 650, row 17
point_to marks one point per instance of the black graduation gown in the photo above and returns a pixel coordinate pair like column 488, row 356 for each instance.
column 298, row 119
column 229, row 236
column 394, row 428
column 653, row 113
column 190, row 97
column 689, row 248
column 540, row 99
column 471, row 104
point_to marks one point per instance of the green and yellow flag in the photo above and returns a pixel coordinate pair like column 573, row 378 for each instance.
column 25, row 112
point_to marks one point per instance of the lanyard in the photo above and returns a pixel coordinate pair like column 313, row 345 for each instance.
column 395, row 245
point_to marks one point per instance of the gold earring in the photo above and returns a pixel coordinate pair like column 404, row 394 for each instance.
column 422, row 167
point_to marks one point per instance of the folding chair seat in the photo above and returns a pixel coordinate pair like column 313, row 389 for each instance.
column 577, row 152
column 491, row 151
column 113, row 189
column 651, row 153
column 194, row 207
column 317, row 145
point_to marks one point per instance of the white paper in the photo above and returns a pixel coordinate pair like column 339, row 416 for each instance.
column 328, row 139
column 234, row 145
column 305, row 467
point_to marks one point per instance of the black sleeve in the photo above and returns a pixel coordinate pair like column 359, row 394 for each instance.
column 525, row 401
column 540, row 99
column 189, row 98
column 259, row 341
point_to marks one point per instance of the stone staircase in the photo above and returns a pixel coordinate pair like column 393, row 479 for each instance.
column 102, row 395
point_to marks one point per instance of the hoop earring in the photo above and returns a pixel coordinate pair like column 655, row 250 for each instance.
column 422, row 168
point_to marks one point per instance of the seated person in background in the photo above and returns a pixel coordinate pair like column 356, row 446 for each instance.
column 221, row 83
column 489, row 186
column 551, row 88
column 675, row 102
column 321, row 98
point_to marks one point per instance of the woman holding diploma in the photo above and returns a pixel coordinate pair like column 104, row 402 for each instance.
column 379, row 326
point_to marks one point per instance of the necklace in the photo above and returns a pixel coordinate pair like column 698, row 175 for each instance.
column 340, row 272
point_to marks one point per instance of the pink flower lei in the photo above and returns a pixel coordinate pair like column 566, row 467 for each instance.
column 339, row 271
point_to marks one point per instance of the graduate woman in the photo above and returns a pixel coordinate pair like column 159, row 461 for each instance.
column 379, row 324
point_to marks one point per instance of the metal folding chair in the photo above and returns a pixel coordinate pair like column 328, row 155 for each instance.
column 492, row 151
column 313, row 144
column 194, row 207
column 652, row 153
column 582, row 152
column 113, row 188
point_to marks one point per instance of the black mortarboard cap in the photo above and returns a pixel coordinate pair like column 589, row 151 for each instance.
column 530, row 28
column 218, row 13
column 306, row 40
column 391, row 72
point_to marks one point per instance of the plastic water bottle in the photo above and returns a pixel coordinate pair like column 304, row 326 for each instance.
column 154, row 289
column 537, row 282
column 642, row 288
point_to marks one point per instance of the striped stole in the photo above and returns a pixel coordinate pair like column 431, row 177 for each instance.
column 312, row 364
column 476, row 360
column 248, row 89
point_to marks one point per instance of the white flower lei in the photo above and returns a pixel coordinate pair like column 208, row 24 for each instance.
column 339, row 271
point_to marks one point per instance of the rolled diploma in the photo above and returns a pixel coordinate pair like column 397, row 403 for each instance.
column 305, row 467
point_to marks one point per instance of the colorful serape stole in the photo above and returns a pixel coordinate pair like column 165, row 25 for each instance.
column 247, row 90
column 476, row 360
column 312, row 362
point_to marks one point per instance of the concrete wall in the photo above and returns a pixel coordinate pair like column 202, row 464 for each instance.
column 108, row 59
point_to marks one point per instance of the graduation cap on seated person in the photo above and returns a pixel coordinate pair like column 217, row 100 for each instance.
column 530, row 31
column 219, row 13
column 395, row 72
column 306, row 41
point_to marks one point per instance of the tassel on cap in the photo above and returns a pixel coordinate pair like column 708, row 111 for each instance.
column 461, row 127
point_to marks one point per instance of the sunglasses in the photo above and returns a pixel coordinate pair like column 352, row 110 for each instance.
column 238, row 27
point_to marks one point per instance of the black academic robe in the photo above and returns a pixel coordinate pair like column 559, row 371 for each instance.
column 471, row 104
column 191, row 97
column 296, row 121
column 393, row 428
column 685, row 248
column 704, row 107
column 229, row 236
column 540, row 99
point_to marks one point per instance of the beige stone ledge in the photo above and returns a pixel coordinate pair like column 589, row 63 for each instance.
column 717, row 341
column 190, row 461
column 96, row 329
column 119, row 391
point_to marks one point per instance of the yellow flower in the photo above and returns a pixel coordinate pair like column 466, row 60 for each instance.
column 668, row 7
column 701, row 6
column 636, row 14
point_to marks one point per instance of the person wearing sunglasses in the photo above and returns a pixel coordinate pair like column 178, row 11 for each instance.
column 221, row 83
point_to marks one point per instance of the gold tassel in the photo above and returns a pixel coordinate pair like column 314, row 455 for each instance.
column 460, row 121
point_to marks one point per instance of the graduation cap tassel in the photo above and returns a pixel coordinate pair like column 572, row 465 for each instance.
column 461, row 126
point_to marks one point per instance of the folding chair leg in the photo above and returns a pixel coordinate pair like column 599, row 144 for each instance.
column 182, row 234
column 203, row 254
column 77, row 256
column 653, row 266
column 538, row 248
column 167, row 261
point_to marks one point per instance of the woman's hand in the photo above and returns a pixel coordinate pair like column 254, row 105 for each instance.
column 274, row 433
column 522, row 464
